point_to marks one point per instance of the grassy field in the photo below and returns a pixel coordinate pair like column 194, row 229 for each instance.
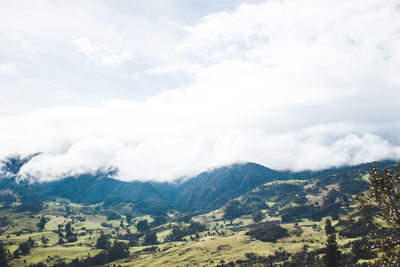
column 224, row 240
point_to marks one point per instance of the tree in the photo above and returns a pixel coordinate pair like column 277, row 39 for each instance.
column 328, row 227
column 42, row 223
column 150, row 238
column 60, row 241
column 44, row 240
column 382, row 201
column 68, row 227
column 159, row 220
column 3, row 255
column 258, row 216
column 129, row 218
column 142, row 226
column 103, row 243
column 332, row 252
column 268, row 232
column 111, row 215
column 118, row 250
column 232, row 210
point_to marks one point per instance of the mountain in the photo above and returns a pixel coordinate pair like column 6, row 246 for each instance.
column 207, row 191
column 211, row 190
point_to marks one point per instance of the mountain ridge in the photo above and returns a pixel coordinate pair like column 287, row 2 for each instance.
column 207, row 191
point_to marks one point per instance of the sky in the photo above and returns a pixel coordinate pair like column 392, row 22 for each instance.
column 167, row 89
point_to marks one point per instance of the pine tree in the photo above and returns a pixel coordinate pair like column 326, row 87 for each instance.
column 332, row 252
column 328, row 227
column 3, row 255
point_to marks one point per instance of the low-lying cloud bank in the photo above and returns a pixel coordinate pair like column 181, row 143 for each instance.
column 288, row 84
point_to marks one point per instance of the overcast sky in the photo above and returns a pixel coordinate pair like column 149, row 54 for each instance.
column 166, row 89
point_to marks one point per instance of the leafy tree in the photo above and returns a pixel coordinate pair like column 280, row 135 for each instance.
column 195, row 227
column 268, row 232
column 103, row 242
column 360, row 249
column 68, row 227
column 328, row 227
column 118, row 250
column 142, row 226
column 24, row 248
column 42, row 223
column 3, row 255
column 104, row 224
column 332, row 252
column 44, row 240
column 150, row 238
column 159, row 220
column 233, row 210
column 382, row 201
column 59, row 228
column 258, row 216
column 177, row 234
column 129, row 218
column 111, row 215
column 33, row 206
column 72, row 238
column 60, row 241
column 31, row 242
column 184, row 218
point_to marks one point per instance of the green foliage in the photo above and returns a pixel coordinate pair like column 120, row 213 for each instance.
column 103, row 242
column 360, row 249
column 42, row 223
column 60, row 241
column 178, row 233
column 118, row 250
column 185, row 218
column 268, row 232
column 3, row 255
column 150, row 238
column 332, row 253
column 233, row 210
column 142, row 226
column 104, row 224
column 258, row 216
column 129, row 218
column 24, row 248
column 384, row 197
column 68, row 227
column 158, row 220
column 111, row 215
column 357, row 228
column 33, row 206
column 44, row 240
column 328, row 227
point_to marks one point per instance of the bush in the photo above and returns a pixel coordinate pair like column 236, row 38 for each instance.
column 33, row 206
column 268, row 232
column 233, row 210
column 111, row 215
column 150, row 238
column 72, row 238
column 104, row 224
column 143, row 226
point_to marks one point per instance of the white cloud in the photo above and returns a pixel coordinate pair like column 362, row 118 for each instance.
column 7, row 69
column 289, row 84
column 110, row 55
column 171, row 68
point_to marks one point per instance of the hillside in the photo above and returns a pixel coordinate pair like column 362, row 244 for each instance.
column 208, row 191
column 265, row 218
